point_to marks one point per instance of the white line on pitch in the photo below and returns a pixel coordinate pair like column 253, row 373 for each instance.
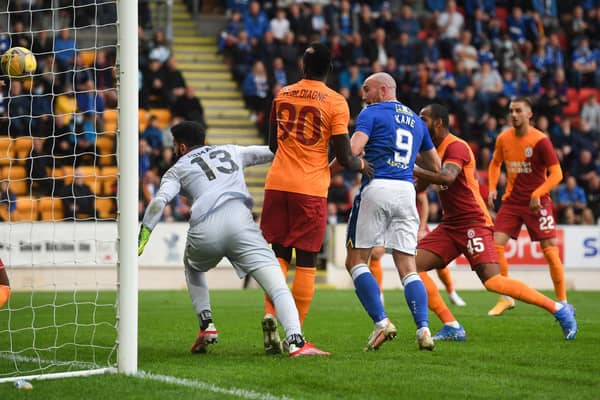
column 243, row 393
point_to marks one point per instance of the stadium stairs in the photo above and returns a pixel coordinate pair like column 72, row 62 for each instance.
column 226, row 115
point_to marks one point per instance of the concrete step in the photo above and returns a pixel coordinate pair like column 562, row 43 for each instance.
column 196, row 40
column 208, row 76
column 233, row 132
column 242, row 141
column 231, row 123
column 220, row 104
column 186, row 47
column 202, row 67
column 203, row 84
column 219, row 94
column 196, row 58
column 215, row 113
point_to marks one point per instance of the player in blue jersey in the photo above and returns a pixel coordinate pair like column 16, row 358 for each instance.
column 384, row 212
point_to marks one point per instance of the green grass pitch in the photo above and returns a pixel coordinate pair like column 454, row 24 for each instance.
column 521, row 355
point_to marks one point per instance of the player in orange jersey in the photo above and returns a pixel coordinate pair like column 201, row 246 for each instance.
column 533, row 170
column 466, row 228
column 304, row 117
column 443, row 273
column 4, row 285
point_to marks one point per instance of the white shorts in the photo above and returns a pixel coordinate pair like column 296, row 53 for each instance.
column 385, row 214
column 229, row 232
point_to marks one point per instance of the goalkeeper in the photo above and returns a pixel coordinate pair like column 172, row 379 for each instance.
column 4, row 286
column 221, row 225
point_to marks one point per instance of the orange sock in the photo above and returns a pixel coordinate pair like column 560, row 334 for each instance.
column 446, row 278
column 269, row 307
column 435, row 301
column 520, row 291
column 4, row 294
column 557, row 272
column 303, row 289
column 377, row 271
column 502, row 260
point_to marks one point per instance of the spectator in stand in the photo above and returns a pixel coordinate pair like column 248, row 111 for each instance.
column 444, row 82
column 408, row 23
column 485, row 54
column 435, row 5
column 64, row 49
column 584, row 65
column 299, row 23
column 390, row 24
column 166, row 161
column 478, row 26
column 83, row 139
column 242, row 56
column 590, row 113
column 159, row 48
column 42, row 44
column 355, row 51
column 154, row 137
column 278, row 74
column 256, row 91
column 104, row 70
column 188, row 107
column 583, row 168
column 339, row 195
column 344, row 20
column 8, row 201
column 488, row 84
column 472, row 115
column 318, row 22
column 563, row 142
column 593, row 196
column 490, row 132
column 229, row 36
column 352, row 79
column 174, row 82
column 450, row 23
column 517, row 28
column 550, row 105
column 58, row 144
column 266, row 49
column 378, row 48
column 256, row 22
column 554, row 53
column 144, row 160
column 290, row 54
column 19, row 111
column 430, row 52
column 465, row 53
column 280, row 25
column 577, row 26
column 405, row 55
column 38, row 164
column 41, row 106
column 530, row 85
column 572, row 196
column 91, row 104
column 78, row 198
column 143, row 49
column 366, row 22
column 153, row 88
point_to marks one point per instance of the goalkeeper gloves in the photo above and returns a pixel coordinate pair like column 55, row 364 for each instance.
column 143, row 238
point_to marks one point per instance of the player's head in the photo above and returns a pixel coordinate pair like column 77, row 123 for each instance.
column 316, row 61
column 520, row 111
column 187, row 135
column 379, row 87
column 437, row 120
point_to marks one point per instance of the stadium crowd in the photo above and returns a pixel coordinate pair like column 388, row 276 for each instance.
column 472, row 56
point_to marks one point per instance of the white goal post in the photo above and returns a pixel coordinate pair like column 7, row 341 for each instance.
column 74, row 279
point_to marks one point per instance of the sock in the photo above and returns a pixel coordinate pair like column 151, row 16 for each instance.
column 303, row 289
column 557, row 272
column 518, row 290
column 502, row 260
column 4, row 294
column 205, row 319
column 416, row 299
column 435, row 301
column 198, row 290
column 446, row 278
column 377, row 271
column 367, row 292
column 269, row 307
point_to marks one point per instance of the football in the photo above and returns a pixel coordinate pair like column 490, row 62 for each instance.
column 18, row 62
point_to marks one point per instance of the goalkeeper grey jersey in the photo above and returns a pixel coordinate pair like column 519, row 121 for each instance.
column 209, row 176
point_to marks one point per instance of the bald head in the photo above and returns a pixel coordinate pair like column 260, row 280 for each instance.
column 379, row 87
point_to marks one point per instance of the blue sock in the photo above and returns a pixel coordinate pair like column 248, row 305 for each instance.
column 416, row 298
column 367, row 291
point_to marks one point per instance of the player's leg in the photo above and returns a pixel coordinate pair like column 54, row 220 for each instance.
column 507, row 224
column 199, row 293
column 451, row 330
column 489, row 274
column 4, row 285
column 275, row 286
column 557, row 271
column 366, row 227
column 284, row 256
column 446, row 278
column 375, row 265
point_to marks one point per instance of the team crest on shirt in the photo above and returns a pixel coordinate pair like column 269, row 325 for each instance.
column 528, row 151
column 544, row 212
column 471, row 233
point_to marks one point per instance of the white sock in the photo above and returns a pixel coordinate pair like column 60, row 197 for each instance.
column 453, row 324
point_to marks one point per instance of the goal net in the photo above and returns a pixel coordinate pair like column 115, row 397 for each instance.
column 60, row 202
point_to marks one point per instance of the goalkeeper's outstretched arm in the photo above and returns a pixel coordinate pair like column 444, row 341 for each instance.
column 4, row 286
column 169, row 187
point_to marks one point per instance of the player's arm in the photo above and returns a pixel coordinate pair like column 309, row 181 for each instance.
column 446, row 176
column 4, row 286
column 423, row 207
column 554, row 177
column 429, row 160
column 347, row 154
column 169, row 187
column 494, row 173
column 273, row 129
column 255, row 155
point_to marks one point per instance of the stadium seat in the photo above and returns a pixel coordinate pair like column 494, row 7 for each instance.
column 51, row 209
column 142, row 119
column 88, row 57
column 572, row 108
column 163, row 115
column 449, row 65
column 17, row 177
column 584, row 93
column 26, row 209
column 22, row 148
column 110, row 121
column 108, row 179
column 64, row 173
column 572, row 94
column 5, row 150
column 104, row 207
column 105, row 146
column 90, row 177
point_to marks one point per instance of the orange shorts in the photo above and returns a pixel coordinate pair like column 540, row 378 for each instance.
column 294, row 220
